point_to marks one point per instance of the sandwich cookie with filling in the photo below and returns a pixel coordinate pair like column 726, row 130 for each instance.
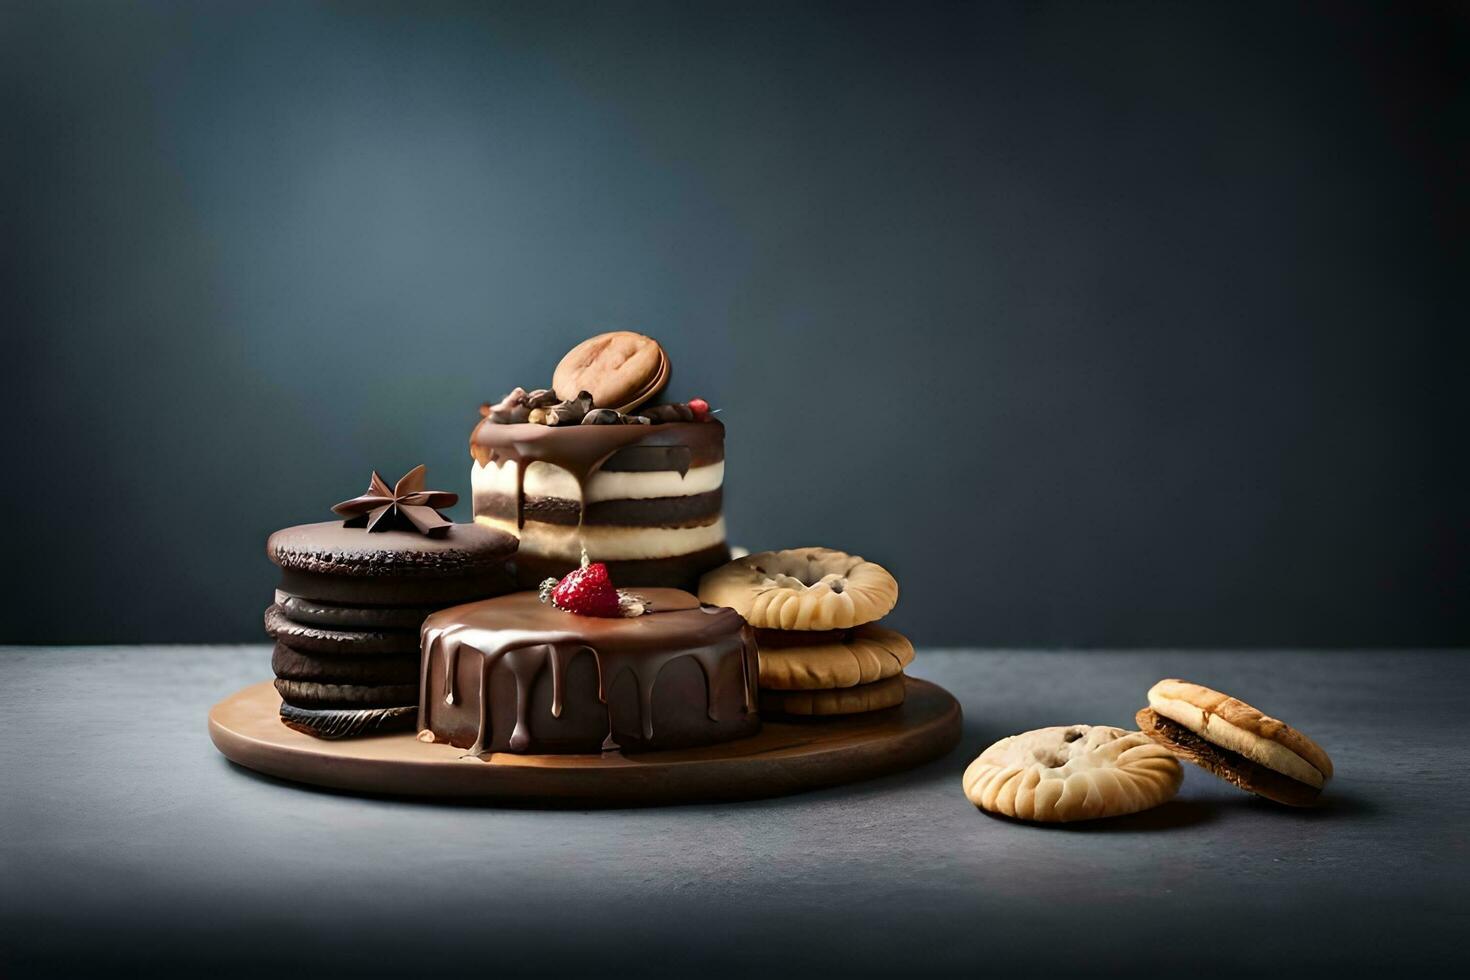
column 1241, row 744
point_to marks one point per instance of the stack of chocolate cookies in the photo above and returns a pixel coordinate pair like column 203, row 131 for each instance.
column 353, row 595
column 815, row 612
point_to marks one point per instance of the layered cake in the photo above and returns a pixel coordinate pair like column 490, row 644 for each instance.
column 585, row 468
column 526, row 673
column 353, row 594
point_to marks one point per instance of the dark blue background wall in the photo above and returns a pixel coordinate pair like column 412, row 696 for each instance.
column 1099, row 324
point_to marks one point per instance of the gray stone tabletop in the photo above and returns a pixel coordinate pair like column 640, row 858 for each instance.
column 129, row 845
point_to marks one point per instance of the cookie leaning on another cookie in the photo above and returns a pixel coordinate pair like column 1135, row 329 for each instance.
column 1075, row 772
column 1235, row 741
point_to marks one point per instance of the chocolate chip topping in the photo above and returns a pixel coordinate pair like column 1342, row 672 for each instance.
column 678, row 412
column 571, row 411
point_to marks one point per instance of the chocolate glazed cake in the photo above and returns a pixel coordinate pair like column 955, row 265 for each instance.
column 645, row 499
column 516, row 675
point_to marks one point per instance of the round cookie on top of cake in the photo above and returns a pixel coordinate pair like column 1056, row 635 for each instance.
column 588, row 467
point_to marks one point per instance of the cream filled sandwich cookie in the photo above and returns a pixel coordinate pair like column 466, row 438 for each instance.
column 1235, row 741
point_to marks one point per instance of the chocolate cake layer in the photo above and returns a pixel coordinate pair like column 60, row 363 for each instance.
column 645, row 499
column 675, row 572
column 691, row 511
column 515, row 674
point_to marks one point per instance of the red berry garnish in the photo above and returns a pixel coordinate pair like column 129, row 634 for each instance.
column 700, row 408
column 587, row 591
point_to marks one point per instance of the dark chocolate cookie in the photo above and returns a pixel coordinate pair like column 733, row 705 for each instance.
column 334, row 616
column 315, row 694
column 315, row 639
column 345, row 723
column 369, row 669
column 349, row 565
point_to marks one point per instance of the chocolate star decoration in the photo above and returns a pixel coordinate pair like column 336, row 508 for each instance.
column 407, row 505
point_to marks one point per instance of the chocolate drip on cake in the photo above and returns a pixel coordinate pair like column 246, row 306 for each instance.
column 646, row 497
column 517, row 641
column 583, row 451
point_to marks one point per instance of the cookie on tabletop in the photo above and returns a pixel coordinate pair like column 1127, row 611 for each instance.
column 1072, row 772
column 1236, row 742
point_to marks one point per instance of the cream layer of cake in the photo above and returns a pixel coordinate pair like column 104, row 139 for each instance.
column 647, row 499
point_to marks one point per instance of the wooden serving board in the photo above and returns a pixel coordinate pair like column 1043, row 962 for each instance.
column 785, row 757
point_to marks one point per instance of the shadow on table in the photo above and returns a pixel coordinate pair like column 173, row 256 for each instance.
column 1346, row 805
column 1174, row 815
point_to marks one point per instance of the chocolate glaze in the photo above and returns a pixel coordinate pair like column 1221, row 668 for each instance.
column 583, row 450
column 516, row 675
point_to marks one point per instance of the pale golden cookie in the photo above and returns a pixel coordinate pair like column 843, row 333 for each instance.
column 865, row 655
column 842, row 701
column 1074, row 772
column 802, row 589
column 620, row 370
column 1236, row 726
